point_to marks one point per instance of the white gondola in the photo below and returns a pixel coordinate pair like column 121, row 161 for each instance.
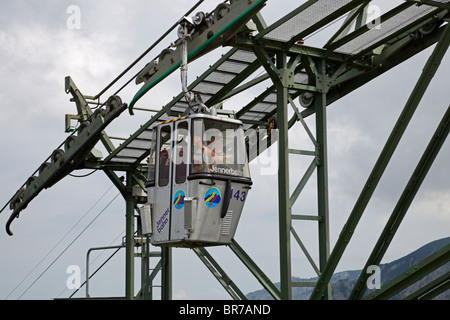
column 198, row 182
column 199, row 175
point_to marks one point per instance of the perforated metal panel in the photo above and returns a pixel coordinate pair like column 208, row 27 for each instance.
column 382, row 33
column 306, row 19
column 226, row 72
column 134, row 150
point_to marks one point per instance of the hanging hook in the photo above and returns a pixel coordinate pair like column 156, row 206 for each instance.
column 185, row 36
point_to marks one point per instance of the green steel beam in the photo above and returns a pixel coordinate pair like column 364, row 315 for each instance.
column 245, row 86
column 165, row 109
column 220, row 274
column 319, row 24
column 218, row 97
column 284, row 208
column 257, row 100
column 118, row 182
column 406, row 30
column 346, row 234
column 280, row 74
column 146, row 292
column 305, row 251
column 431, row 3
column 273, row 47
column 403, row 32
column 326, row 20
column 432, row 289
column 255, row 270
column 382, row 64
column 412, row 275
column 303, row 181
column 84, row 111
column 361, row 20
column 404, row 202
column 388, row 60
column 286, row 18
column 305, row 217
column 345, row 28
column 153, row 275
column 239, row 13
column 129, row 234
column 357, row 33
column 166, row 273
column 322, row 172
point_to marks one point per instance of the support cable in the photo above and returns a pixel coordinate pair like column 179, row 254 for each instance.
column 98, row 269
column 59, row 242
column 76, row 238
column 144, row 54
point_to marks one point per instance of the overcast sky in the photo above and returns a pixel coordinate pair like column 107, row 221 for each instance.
column 38, row 50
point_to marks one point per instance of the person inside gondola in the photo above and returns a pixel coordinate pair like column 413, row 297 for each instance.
column 164, row 166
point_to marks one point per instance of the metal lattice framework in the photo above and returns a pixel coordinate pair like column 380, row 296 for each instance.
column 357, row 53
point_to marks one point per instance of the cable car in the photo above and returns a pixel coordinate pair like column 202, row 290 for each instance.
column 198, row 181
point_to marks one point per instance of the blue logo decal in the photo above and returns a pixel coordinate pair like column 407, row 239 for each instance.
column 178, row 199
column 213, row 197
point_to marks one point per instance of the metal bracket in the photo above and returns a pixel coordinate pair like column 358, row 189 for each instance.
column 84, row 112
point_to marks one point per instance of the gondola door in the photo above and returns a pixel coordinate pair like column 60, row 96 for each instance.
column 180, row 167
column 163, row 188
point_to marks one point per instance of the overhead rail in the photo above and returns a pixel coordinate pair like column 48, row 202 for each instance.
column 65, row 160
column 209, row 32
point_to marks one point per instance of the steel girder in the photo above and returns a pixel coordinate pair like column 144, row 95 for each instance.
column 383, row 160
column 350, row 71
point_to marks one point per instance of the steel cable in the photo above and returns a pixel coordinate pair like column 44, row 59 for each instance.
column 73, row 241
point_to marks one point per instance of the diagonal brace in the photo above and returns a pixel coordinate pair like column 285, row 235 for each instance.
column 404, row 202
column 412, row 275
column 219, row 274
column 255, row 270
column 347, row 232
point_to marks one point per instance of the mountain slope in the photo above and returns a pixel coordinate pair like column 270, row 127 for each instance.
column 342, row 283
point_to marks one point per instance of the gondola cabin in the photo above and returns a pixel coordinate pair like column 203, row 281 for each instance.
column 198, row 182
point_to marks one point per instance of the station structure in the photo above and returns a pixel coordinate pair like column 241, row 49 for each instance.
column 305, row 81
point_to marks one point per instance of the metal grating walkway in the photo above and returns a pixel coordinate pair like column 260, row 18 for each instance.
column 209, row 86
column 235, row 66
column 394, row 23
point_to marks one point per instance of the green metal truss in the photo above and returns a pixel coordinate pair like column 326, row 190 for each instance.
column 327, row 74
